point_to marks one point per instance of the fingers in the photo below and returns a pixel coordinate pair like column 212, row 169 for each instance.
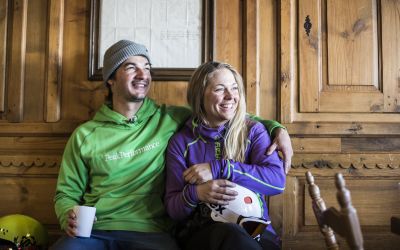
column 217, row 192
column 198, row 173
column 287, row 157
column 71, row 224
column 272, row 148
column 287, row 164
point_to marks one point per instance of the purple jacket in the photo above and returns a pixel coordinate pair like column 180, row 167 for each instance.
column 195, row 144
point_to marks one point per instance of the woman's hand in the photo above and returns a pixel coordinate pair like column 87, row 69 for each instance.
column 71, row 223
column 216, row 192
column 283, row 144
column 198, row 173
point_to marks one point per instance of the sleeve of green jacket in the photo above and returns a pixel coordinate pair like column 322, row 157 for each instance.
column 270, row 125
column 72, row 180
column 180, row 114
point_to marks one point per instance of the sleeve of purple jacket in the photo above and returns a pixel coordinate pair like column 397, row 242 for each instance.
column 261, row 173
column 180, row 198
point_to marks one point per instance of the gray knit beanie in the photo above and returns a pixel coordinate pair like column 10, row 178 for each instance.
column 118, row 53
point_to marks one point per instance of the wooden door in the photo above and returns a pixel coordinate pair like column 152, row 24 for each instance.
column 339, row 92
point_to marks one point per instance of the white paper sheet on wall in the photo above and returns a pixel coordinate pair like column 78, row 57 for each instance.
column 170, row 29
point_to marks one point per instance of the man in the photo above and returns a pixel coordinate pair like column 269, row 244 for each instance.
column 115, row 162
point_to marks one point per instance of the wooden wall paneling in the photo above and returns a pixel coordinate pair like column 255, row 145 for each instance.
column 345, row 128
column 3, row 50
column 353, row 42
column 288, row 52
column 290, row 207
column 34, row 197
column 17, row 61
column 172, row 93
column 369, row 145
column 310, row 54
column 356, row 118
column 35, row 128
column 251, row 59
column 228, row 32
column 80, row 97
column 54, row 61
column 268, row 47
column 35, row 61
column 391, row 53
column 32, row 144
column 316, row 145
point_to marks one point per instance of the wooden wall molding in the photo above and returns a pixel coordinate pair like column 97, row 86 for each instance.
column 29, row 161
column 346, row 161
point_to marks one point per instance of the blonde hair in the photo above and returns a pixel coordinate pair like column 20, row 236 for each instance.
column 236, row 135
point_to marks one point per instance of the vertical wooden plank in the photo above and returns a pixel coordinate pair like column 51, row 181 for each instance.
column 3, row 49
column 352, row 42
column 251, row 62
column 54, row 61
column 228, row 36
column 17, row 61
column 391, row 54
column 268, row 47
column 290, row 207
column 35, row 61
column 288, row 53
column 310, row 56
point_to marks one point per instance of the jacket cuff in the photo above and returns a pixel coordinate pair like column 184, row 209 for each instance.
column 189, row 195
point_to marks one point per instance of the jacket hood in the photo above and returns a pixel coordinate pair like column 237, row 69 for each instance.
column 106, row 114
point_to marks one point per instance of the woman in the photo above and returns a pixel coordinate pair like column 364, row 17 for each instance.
column 218, row 148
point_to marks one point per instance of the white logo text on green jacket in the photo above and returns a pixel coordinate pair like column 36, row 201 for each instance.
column 131, row 153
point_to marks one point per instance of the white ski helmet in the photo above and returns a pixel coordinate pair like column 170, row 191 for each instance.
column 246, row 210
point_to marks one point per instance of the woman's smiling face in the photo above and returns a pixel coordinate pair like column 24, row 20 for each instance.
column 221, row 97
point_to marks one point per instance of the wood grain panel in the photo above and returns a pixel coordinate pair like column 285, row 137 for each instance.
column 288, row 74
column 228, row 33
column 313, row 127
column 375, row 200
column 29, row 196
column 3, row 50
column 54, row 61
column 391, row 54
column 359, row 145
column 35, row 61
column 268, row 43
column 80, row 98
column 17, row 61
column 351, row 102
column 171, row 93
column 316, row 145
column 32, row 143
column 290, row 207
column 38, row 129
column 251, row 58
column 310, row 54
column 352, row 42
